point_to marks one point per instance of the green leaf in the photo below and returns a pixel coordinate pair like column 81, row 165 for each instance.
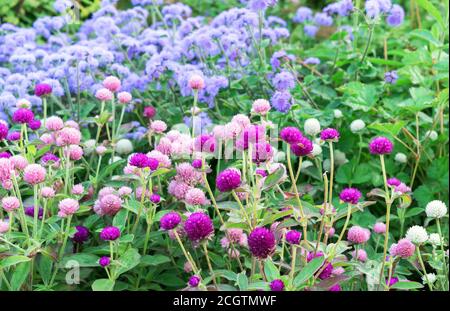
column 13, row 260
column 120, row 218
column 432, row 10
column 128, row 261
column 359, row 96
column 242, row 281
column 391, row 128
column 271, row 271
column 154, row 260
column 274, row 178
column 20, row 275
column 103, row 285
column 308, row 271
column 407, row 285
column 82, row 259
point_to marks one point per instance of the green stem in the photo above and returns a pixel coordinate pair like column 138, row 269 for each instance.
column 422, row 265
column 438, row 223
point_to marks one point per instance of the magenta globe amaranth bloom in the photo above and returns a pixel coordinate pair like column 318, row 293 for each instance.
column 350, row 195
column 110, row 233
column 228, row 180
column 261, row 242
column 293, row 237
column 81, row 236
column 330, row 134
column 42, row 89
column 194, row 281
column 104, row 261
column 380, row 145
column 302, row 148
column 277, row 285
column 290, row 135
column 198, row 226
column 170, row 221
column 23, row 116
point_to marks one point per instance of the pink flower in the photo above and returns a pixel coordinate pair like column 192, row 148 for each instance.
column 19, row 162
column 163, row 159
column 402, row 188
column 164, row 146
column 75, row 152
column 47, row 192
column 47, row 139
column 358, row 235
column 112, row 83
column 101, row 150
column 125, row 191
column 242, row 120
column 404, row 249
column 54, row 123
column 34, row 174
column 124, row 97
column 362, row 255
column 149, row 112
column 4, row 226
column 110, row 204
column 178, row 189
column 77, row 189
column 68, row 136
column 196, row 82
column 188, row 174
column 158, row 126
column 232, row 130
column 10, row 204
column 104, row 95
column 261, row 106
column 6, row 166
column 105, row 191
column 139, row 193
column 195, row 196
column 72, row 123
column 379, row 228
column 67, row 207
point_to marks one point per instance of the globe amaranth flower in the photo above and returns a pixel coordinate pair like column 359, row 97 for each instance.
column 34, row 124
column 104, row 261
column 141, row 160
column 303, row 147
column 155, row 198
column 261, row 106
column 4, row 226
column 362, row 255
column 34, row 174
column 312, row 126
column 417, row 234
column 358, row 235
column 195, row 196
column 205, row 143
column 196, row 82
column 54, row 123
column 112, row 83
column 350, row 195
column 357, row 125
column 293, row 237
column 380, row 145
column 393, row 182
column 110, row 233
column 67, row 207
column 3, row 130
column 228, row 180
column 104, row 94
column 170, row 221
column 329, row 134
column 81, row 235
column 436, row 209
column 198, row 226
column 197, row 163
column 124, row 97
column 291, row 135
column 403, row 249
column 23, row 116
column 335, row 288
column 10, row 204
column 149, row 112
column 42, row 89
column 110, row 204
column 379, row 228
column 194, row 281
column 435, row 239
column 277, row 285
column 261, row 242
column 391, row 77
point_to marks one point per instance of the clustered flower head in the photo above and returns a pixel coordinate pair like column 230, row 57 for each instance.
column 261, row 242
column 110, row 233
column 68, row 207
column 404, row 248
column 350, row 195
column 329, row 134
column 358, row 235
column 293, row 237
column 228, row 180
column 170, row 221
column 380, row 145
column 290, row 135
column 198, row 227
column 436, row 209
column 417, row 234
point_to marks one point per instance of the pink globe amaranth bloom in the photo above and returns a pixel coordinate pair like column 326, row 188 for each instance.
column 338, row 271
column 187, row 267
column 164, row 146
column 293, row 237
column 224, row 242
column 48, row 192
column 23, row 116
column 291, row 135
column 125, row 191
column 261, row 242
column 140, row 160
column 276, row 285
column 42, row 89
column 197, row 163
column 110, row 204
column 14, row 136
column 104, row 94
column 196, row 82
column 77, row 189
column 229, row 179
column 205, row 143
column 362, row 255
column 350, row 195
column 232, row 130
column 194, row 281
column 19, row 162
column 54, row 123
column 330, row 134
column 110, row 233
column 195, row 196
column 112, row 83
column 72, row 123
column 158, row 126
column 68, row 207
column 219, row 132
column 4, row 226
column 75, row 152
column 68, row 136
column 49, row 159
column 155, row 198
column 178, row 189
column 261, row 152
column 124, row 97
column 261, row 106
column 10, row 204
column 393, row 182
column 163, row 160
column 170, row 221
column 34, row 174
column 303, row 147
column 3, row 130
column 104, row 261
column 47, row 139
column 101, row 150
column 237, row 236
column 242, row 120
column 149, row 112
column 139, row 193
column 23, row 103
column 327, row 271
column 402, row 188
column 380, row 145
column 198, row 227
column 6, row 167
column 34, row 124
column 379, row 228
column 331, row 232
column 404, row 249
column 261, row 172
column 358, row 235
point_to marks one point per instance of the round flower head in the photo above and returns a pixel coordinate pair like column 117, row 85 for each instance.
column 104, row 94
column 194, row 281
column 229, row 179
column 3, row 130
column 429, row 278
column 358, row 235
column 335, row 288
column 198, row 226
column 23, row 103
column 261, row 172
column 110, row 233
column 158, row 126
column 380, row 145
column 195, row 196
column 357, row 126
column 392, row 281
column 112, row 83
column 104, row 261
column 277, row 285
column 75, row 152
column 435, row 239
column 14, row 136
column 23, row 116
column 290, row 135
column 155, row 198
column 124, row 97
column 196, row 82
column 4, row 226
column 393, row 182
column 293, row 237
column 5, row 154
column 433, row 135
column 19, row 162
column 205, row 143
column 10, row 204
column 81, row 236
column 54, row 123
column 170, row 220
column 417, row 234
column 379, row 228
column 401, row 157
column 329, row 134
column 68, row 136
column 67, row 207
column 29, row 211
column 47, row 192
column 77, row 189
column 261, row 106
column 125, row 191
column 404, row 249
column 140, row 160
column 312, row 127
column 436, row 209
column 350, row 195
column 197, row 163
column 261, row 242
column 124, row 146
column 34, row 125
column 34, row 174
column 362, row 255
column 110, row 204
column 42, row 89
column 149, row 112
column 303, row 147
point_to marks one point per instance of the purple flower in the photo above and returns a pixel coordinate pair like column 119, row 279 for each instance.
column 194, row 281
column 34, row 124
column 284, row 81
column 393, row 182
column 335, row 288
column 281, row 101
column 310, row 30
column 81, row 235
column 277, row 285
column 312, row 61
column 323, row 19
column 293, row 237
column 22, row 116
column 261, row 242
column 13, row 136
column 205, row 143
column 302, row 15
column 104, row 261
column 350, row 195
column 391, row 77
column 5, row 154
column 141, row 160
column 155, row 198
column 3, row 130
column 261, row 172
column 29, row 211
column 197, row 163
column 49, row 157
column 392, row 281
column 303, row 147
column 291, row 135
column 110, row 233
column 42, row 89
column 198, row 226
column 396, row 16
column 170, row 220
column 380, row 145
column 229, row 179
column 329, row 134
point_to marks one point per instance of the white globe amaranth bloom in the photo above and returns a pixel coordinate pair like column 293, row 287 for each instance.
column 357, row 125
column 433, row 135
column 89, row 146
column 436, row 209
column 317, row 150
column 417, row 234
column 337, row 114
column 435, row 239
column 312, row 126
column 401, row 157
column 339, row 157
column 431, row 277
column 124, row 146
